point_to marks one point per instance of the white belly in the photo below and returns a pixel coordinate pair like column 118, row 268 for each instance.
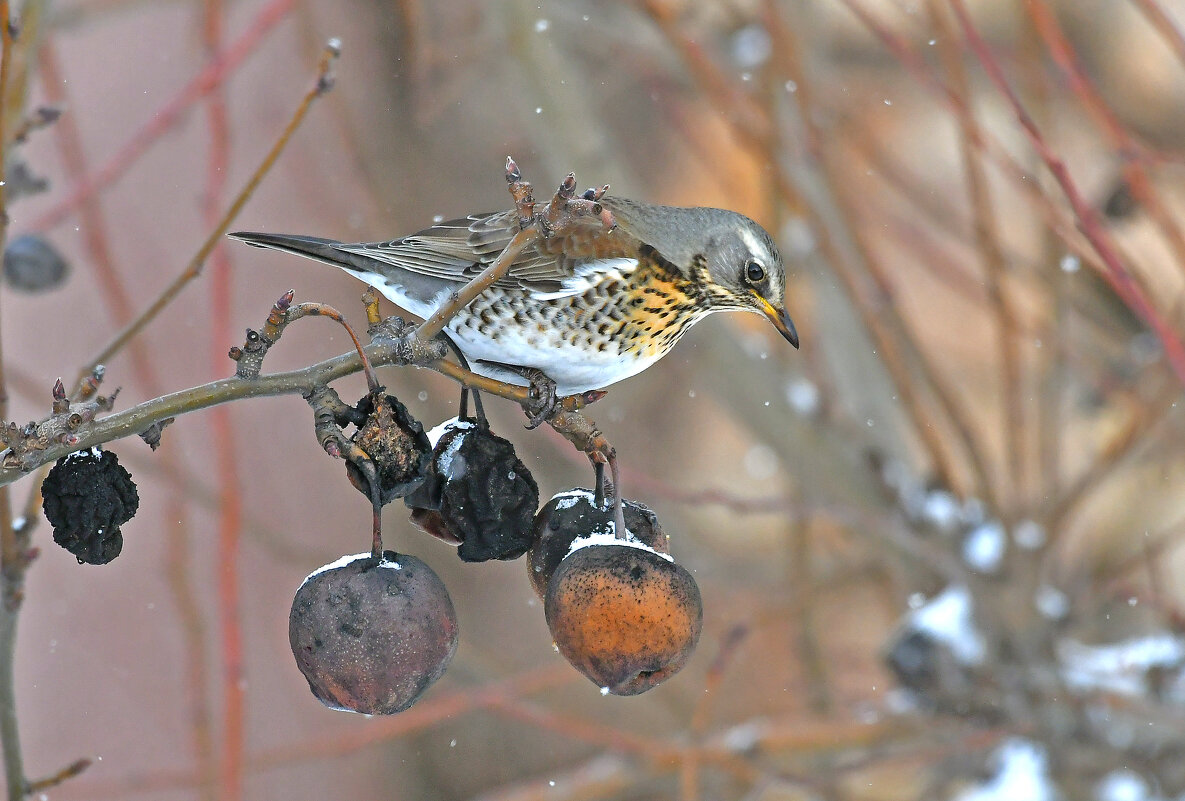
column 573, row 367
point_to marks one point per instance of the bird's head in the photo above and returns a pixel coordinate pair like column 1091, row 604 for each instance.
column 732, row 258
column 745, row 270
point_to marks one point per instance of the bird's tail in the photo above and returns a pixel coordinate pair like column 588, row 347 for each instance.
column 311, row 247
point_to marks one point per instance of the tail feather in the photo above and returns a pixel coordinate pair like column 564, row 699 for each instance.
column 413, row 291
column 311, row 247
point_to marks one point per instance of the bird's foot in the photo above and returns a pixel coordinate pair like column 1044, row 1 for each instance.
column 543, row 402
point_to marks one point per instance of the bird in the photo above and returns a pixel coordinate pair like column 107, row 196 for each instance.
column 587, row 308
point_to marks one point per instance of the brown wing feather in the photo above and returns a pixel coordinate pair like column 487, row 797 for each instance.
column 457, row 250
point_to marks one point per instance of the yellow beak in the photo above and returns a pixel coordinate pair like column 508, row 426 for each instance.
column 781, row 320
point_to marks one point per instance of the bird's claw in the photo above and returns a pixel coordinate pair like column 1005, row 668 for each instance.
column 543, row 402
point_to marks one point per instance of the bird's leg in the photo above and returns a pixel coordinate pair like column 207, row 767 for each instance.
column 478, row 409
column 463, row 411
column 618, row 509
column 584, row 434
column 607, row 455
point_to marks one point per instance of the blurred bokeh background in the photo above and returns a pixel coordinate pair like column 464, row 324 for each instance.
column 937, row 546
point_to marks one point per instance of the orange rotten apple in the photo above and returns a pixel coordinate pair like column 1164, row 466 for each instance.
column 621, row 611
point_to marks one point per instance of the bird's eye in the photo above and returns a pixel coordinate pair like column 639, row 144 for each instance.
column 754, row 272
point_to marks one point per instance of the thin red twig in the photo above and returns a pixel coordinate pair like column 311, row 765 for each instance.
column 194, row 268
column 1120, row 140
column 1164, row 25
column 340, row 741
column 193, row 629
column 230, row 517
column 996, row 268
column 169, row 115
column 983, row 139
column 92, row 221
column 1116, row 274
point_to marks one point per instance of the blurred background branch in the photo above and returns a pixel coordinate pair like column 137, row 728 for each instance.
column 948, row 527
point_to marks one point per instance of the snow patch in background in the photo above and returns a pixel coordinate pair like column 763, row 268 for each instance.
column 1022, row 774
column 1120, row 667
column 949, row 619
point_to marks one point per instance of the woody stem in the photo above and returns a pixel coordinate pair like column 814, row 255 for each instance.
column 487, row 278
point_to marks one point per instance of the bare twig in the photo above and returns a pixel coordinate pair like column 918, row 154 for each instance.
column 194, row 268
column 487, row 278
column 1116, row 274
column 75, row 768
column 321, row 310
column 987, row 242
column 1164, row 26
column 92, row 221
column 14, row 558
column 1120, row 141
column 303, row 381
column 498, row 267
column 169, row 115
column 134, row 420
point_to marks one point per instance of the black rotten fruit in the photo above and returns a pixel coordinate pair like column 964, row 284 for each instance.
column 86, row 497
column 477, row 494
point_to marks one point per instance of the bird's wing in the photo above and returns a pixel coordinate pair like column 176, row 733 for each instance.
column 457, row 250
